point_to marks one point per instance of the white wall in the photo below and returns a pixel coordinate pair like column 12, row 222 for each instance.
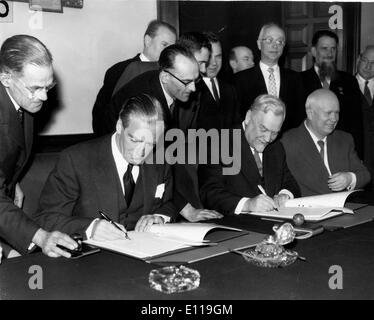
column 84, row 43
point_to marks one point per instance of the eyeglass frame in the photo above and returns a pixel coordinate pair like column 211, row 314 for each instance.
column 33, row 92
column 367, row 61
column 270, row 40
column 181, row 81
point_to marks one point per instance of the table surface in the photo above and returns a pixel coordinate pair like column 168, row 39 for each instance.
column 108, row 275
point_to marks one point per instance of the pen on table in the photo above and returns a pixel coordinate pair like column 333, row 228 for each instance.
column 264, row 193
column 113, row 223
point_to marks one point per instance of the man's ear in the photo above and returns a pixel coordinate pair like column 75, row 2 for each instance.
column 259, row 44
column 147, row 41
column 5, row 78
column 164, row 77
column 233, row 65
column 248, row 117
column 119, row 126
column 313, row 51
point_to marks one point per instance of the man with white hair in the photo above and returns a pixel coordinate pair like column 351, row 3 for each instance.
column 322, row 159
column 269, row 78
column 262, row 163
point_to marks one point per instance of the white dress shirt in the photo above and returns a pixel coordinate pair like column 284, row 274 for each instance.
column 325, row 156
column 210, row 87
column 143, row 58
column 361, row 83
column 264, row 69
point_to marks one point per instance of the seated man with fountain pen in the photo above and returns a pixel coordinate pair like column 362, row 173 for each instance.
column 110, row 178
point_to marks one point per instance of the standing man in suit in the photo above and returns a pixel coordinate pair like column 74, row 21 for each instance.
column 174, row 81
column 219, row 107
column 324, row 74
column 241, row 58
column 322, row 159
column 365, row 80
column 112, row 174
column 262, row 162
column 268, row 77
column 158, row 36
column 26, row 75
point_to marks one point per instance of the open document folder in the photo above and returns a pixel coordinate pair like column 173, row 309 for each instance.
column 162, row 238
column 313, row 208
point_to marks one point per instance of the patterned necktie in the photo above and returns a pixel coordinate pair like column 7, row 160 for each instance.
column 322, row 149
column 20, row 115
column 258, row 161
column 367, row 93
column 272, row 84
column 215, row 91
column 129, row 184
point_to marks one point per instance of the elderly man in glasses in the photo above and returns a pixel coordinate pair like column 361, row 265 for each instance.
column 26, row 75
column 268, row 77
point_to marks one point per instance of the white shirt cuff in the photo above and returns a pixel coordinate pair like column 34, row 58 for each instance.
column 240, row 205
column 354, row 181
column 89, row 229
column 166, row 218
column 285, row 191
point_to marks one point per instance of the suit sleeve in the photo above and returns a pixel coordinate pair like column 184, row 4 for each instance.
column 15, row 226
column 356, row 166
column 213, row 191
column 288, row 181
column 58, row 198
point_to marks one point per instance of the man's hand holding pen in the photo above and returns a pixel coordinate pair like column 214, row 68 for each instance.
column 106, row 229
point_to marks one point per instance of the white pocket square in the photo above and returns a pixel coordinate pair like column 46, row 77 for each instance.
column 160, row 190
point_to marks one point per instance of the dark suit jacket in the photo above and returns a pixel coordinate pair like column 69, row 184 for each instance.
column 103, row 97
column 348, row 92
column 306, row 164
column 223, row 192
column 85, row 180
column 148, row 83
column 250, row 83
column 15, row 145
column 224, row 114
column 368, row 133
column 202, row 112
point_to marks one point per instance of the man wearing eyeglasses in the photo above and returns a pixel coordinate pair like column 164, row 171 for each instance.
column 26, row 75
column 324, row 74
column 365, row 80
column 268, row 77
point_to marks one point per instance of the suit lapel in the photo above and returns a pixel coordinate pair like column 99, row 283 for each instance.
column 150, row 176
column 260, row 80
column 248, row 164
column 310, row 153
column 104, row 173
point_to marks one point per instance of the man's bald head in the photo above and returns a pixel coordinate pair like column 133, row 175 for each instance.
column 322, row 109
column 241, row 58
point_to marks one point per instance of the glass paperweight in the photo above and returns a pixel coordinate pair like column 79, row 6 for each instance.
column 270, row 252
column 174, row 279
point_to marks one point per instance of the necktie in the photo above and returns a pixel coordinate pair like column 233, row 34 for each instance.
column 325, row 84
column 322, row 149
column 20, row 115
column 129, row 184
column 258, row 161
column 367, row 93
column 215, row 91
column 272, row 84
column 172, row 107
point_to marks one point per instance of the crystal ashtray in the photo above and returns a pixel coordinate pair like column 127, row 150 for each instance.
column 282, row 259
column 174, row 279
